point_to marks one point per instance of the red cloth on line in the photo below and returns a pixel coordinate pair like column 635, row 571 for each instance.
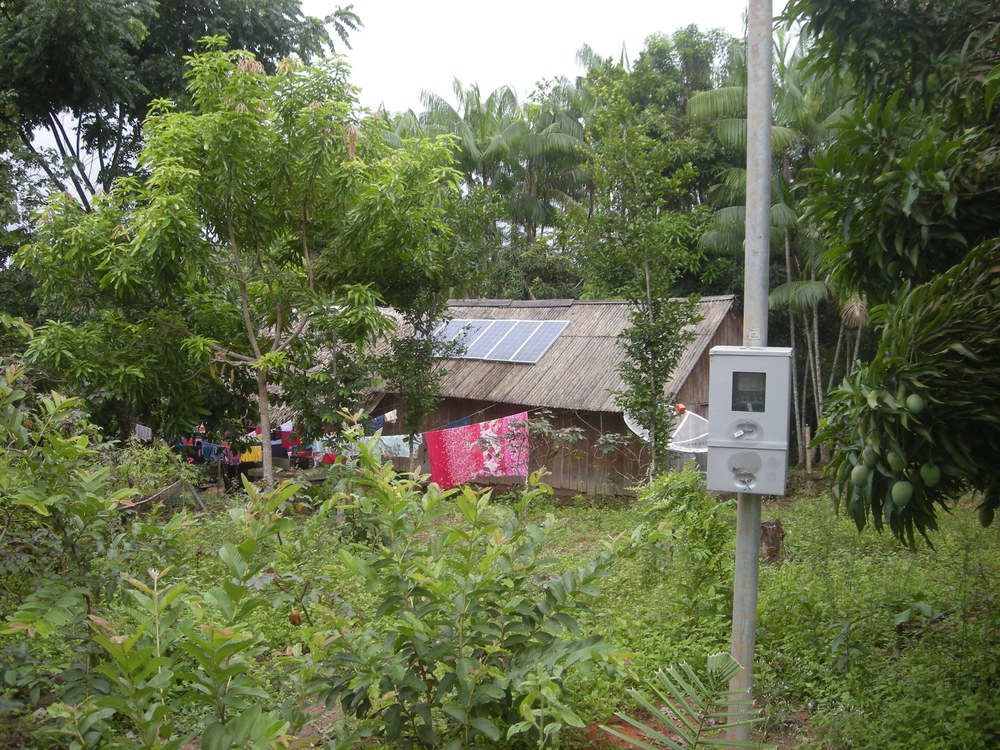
column 290, row 439
column 498, row 448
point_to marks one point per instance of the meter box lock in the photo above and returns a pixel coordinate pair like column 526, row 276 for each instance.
column 749, row 393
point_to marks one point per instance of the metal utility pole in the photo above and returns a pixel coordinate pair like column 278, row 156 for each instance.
column 755, row 291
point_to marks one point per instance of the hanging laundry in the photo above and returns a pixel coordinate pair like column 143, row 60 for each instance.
column 399, row 445
column 390, row 417
column 143, row 433
column 253, row 454
column 498, row 448
column 458, row 423
column 290, row 439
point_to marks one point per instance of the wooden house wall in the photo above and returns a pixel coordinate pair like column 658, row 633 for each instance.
column 694, row 392
column 579, row 468
column 582, row 468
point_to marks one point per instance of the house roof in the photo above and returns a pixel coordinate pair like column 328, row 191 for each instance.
column 580, row 370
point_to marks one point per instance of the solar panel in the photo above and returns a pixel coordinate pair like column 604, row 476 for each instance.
column 449, row 331
column 471, row 331
column 522, row 341
column 540, row 341
column 492, row 335
column 514, row 340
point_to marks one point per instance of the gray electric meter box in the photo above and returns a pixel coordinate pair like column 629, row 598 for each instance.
column 748, row 394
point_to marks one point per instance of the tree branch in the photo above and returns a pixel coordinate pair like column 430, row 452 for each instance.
column 294, row 334
column 76, row 161
column 67, row 161
column 10, row 515
column 55, row 179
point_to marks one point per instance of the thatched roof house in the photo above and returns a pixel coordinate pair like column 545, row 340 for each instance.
column 580, row 369
column 573, row 380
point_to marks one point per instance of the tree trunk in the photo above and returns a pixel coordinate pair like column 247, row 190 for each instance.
column 265, row 428
column 836, row 355
column 857, row 349
column 655, row 390
column 800, row 440
column 824, row 448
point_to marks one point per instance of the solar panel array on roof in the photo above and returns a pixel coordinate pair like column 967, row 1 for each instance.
column 522, row 341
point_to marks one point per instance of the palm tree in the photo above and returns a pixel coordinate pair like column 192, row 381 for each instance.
column 523, row 161
column 803, row 111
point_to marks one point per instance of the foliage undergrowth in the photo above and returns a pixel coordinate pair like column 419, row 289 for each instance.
column 854, row 628
column 444, row 619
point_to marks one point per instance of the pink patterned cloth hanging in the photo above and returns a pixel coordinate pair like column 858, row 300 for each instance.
column 498, row 448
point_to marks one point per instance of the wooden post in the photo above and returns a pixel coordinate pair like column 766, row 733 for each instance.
column 809, row 455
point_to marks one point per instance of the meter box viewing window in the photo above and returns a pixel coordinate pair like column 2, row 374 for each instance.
column 749, row 395
column 749, row 391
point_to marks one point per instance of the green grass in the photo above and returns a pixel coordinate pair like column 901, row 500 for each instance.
column 869, row 643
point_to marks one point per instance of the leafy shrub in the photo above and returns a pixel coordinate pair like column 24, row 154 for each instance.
column 687, row 530
column 473, row 633
column 148, row 469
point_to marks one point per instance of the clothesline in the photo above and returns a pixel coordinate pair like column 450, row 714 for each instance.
column 467, row 419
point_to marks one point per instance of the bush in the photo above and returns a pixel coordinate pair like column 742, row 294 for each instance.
column 687, row 530
column 473, row 632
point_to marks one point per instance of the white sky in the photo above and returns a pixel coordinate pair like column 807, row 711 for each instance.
column 407, row 46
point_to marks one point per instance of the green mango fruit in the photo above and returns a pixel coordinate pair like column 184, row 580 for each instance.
column 896, row 461
column 930, row 474
column 859, row 475
column 902, row 491
column 915, row 403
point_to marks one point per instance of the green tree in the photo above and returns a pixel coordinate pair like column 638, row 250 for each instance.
column 643, row 231
column 522, row 172
column 649, row 177
column 85, row 72
column 905, row 197
column 272, row 208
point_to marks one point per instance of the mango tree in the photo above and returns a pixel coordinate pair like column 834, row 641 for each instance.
column 272, row 207
column 906, row 198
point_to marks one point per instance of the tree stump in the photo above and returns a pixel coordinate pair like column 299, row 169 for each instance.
column 771, row 535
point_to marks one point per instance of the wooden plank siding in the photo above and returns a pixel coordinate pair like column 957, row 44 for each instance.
column 574, row 468
column 693, row 391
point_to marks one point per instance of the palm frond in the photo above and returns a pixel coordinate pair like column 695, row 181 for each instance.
column 735, row 179
column 539, row 144
column 721, row 242
column 690, row 710
column 854, row 311
column 723, row 102
column 783, row 138
column 783, row 216
column 732, row 131
column 730, row 218
column 798, row 295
